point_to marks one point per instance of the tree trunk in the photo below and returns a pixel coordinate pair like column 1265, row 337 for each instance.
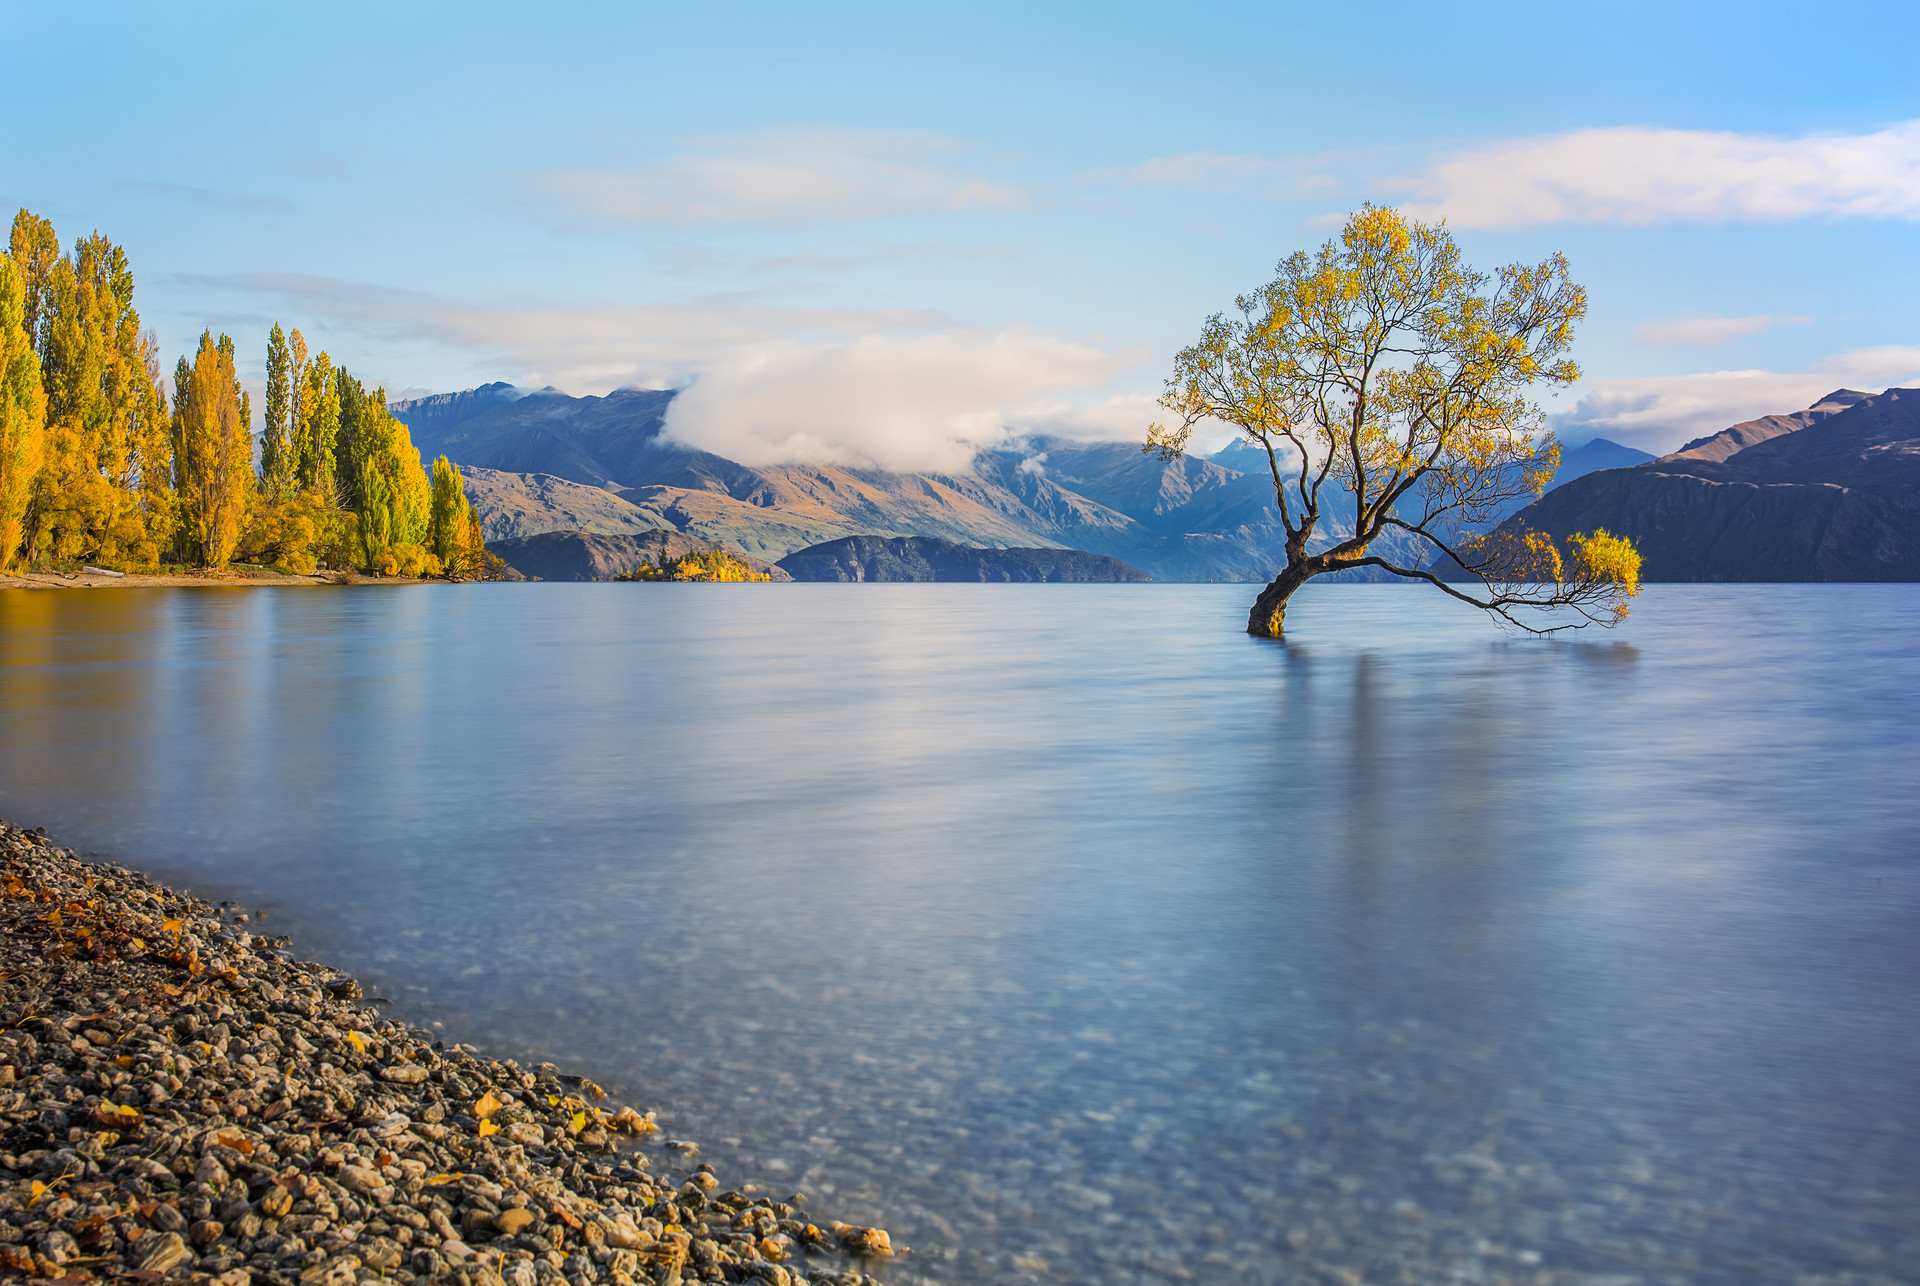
column 1268, row 618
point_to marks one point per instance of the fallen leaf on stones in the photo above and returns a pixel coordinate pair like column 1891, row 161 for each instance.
column 441, row 1180
column 488, row 1127
column 42, row 1189
column 358, row 1041
column 579, row 1122
column 116, row 1114
column 171, row 926
column 487, row 1105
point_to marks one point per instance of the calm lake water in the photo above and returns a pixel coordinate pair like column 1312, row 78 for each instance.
column 1072, row 935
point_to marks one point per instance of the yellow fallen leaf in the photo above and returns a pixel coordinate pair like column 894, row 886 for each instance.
column 139, row 944
column 488, row 1127
column 579, row 1122
column 170, row 926
column 487, row 1105
column 552, row 1101
column 596, row 1090
column 358, row 1041
column 42, row 1189
column 53, row 918
column 125, row 1060
column 442, row 1180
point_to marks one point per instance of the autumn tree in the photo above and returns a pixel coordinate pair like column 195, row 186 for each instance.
column 450, row 517
column 103, row 492
column 23, row 410
column 319, row 424
column 1387, row 381
column 214, row 450
column 276, row 459
column 388, row 490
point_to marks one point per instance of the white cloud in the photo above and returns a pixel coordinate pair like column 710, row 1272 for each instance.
column 584, row 349
column 901, row 402
column 1645, row 176
column 786, row 177
column 1659, row 413
column 1208, row 167
column 1700, row 328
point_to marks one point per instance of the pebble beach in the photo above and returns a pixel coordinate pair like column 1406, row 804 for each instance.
column 183, row 1100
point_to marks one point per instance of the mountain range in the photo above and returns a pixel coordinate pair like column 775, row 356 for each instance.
column 1831, row 493
column 542, row 461
column 921, row 558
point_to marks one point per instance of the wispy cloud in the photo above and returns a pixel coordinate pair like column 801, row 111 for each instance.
column 1623, row 174
column 784, row 177
column 579, row 349
column 894, row 388
column 1659, row 413
column 1648, row 176
column 1701, row 328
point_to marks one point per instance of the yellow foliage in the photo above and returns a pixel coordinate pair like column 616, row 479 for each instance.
column 23, row 412
column 1385, row 367
column 405, row 560
column 709, row 565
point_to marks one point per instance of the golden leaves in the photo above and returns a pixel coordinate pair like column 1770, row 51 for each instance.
column 442, row 1180
column 117, row 1115
column 42, row 1189
column 487, row 1105
column 358, row 1041
column 486, row 1128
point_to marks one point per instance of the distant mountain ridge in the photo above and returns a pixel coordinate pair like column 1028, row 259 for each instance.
column 918, row 558
column 1831, row 493
column 1186, row 519
column 544, row 461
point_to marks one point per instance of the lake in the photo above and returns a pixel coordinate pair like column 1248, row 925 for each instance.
column 1072, row 935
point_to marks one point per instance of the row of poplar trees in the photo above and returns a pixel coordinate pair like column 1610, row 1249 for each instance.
column 101, row 465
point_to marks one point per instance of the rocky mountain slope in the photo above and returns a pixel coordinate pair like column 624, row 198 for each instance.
column 919, row 558
column 1831, row 493
column 583, row 556
column 1187, row 519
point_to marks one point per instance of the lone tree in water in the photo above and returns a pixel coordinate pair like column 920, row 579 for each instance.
column 1385, row 373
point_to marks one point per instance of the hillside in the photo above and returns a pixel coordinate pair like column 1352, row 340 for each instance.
column 917, row 558
column 1831, row 493
column 1186, row 519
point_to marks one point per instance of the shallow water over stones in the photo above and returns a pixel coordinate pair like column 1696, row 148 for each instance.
column 1068, row 933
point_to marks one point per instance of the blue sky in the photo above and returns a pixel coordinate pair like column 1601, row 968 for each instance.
column 865, row 232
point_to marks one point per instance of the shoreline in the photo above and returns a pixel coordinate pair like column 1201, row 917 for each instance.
column 182, row 1099
column 234, row 577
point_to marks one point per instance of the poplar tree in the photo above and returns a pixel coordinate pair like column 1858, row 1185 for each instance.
column 101, row 494
column 213, row 450
column 23, row 410
column 319, row 425
column 35, row 250
column 448, row 536
column 276, row 463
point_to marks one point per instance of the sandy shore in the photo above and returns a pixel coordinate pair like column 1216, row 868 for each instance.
column 183, row 1100
column 229, row 578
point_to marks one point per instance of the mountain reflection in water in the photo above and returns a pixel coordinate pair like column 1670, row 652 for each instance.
column 1069, row 933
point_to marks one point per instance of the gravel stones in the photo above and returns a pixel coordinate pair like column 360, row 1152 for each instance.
column 179, row 1097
